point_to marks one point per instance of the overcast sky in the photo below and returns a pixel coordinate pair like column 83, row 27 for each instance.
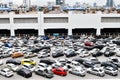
column 71, row 2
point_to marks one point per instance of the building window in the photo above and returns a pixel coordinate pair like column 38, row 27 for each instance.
column 25, row 20
column 4, row 20
column 55, row 19
column 110, row 19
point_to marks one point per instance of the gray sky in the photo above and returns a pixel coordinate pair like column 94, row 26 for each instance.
column 71, row 2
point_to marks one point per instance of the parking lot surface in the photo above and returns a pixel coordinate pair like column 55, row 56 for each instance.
column 57, row 77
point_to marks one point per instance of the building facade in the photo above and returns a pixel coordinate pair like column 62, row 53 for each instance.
column 69, row 21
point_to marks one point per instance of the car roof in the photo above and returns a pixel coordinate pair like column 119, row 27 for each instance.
column 27, row 60
column 6, row 69
column 42, row 64
column 60, row 68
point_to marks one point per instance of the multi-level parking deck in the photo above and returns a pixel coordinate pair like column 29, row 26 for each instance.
column 70, row 23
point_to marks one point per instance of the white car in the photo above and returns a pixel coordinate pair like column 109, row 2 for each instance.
column 6, row 72
column 13, row 67
column 44, row 66
column 73, row 64
column 117, row 50
column 43, row 54
column 93, row 51
column 80, row 71
column 58, row 64
column 63, row 61
column 99, row 71
column 1, row 62
column 84, row 53
column 29, row 67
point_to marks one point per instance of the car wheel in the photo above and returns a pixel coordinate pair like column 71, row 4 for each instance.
column 88, row 71
column 114, row 75
column 70, row 72
column 101, row 75
column 82, row 75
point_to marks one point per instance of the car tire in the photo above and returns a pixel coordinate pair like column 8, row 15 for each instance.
column 101, row 75
column 88, row 72
column 81, row 75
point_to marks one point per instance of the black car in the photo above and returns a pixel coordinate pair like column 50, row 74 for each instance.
column 98, row 46
column 115, row 61
column 88, row 64
column 13, row 61
column 117, row 42
column 105, row 64
column 45, row 73
column 36, row 50
column 109, row 53
column 97, row 54
column 47, row 61
column 24, row 72
column 78, row 59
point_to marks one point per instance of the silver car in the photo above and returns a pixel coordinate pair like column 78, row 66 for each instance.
column 6, row 72
column 99, row 71
column 80, row 71
column 111, row 71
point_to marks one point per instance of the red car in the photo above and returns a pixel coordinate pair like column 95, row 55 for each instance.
column 88, row 43
column 59, row 71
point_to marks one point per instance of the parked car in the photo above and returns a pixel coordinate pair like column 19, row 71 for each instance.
column 44, row 72
column 47, row 61
column 63, row 61
column 87, row 43
column 58, row 64
column 78, row 71
column 73, row 64
column 111, row 71
column 43, row 54
column 114, row 61
column 70, row 53
column 6, row 72
column 78, row 59
column 1, row 62
column 28, row 61
column 57, row 53
column 13, row 67
column 109, row 53
column 117, row 52
column 5, row 55
column 17, row 54
column 44, row 66
column 29, row 67
column 96, row 52
column 107, row 63
column 24, row 72
column 84, row 53
column 99, row 71
column 13, row 61
column 59, row 71
column 88, row 64
column 29, row 55
column 94, row 60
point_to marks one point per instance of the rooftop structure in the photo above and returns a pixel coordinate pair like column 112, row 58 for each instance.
column 60, row 2
column 27, row 4
column 110, row 4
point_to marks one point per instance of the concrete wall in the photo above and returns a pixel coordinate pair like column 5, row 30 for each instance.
column 74, row 21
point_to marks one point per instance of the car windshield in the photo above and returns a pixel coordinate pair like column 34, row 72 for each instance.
column 100, row 70
column 30, row 66
column 48, row 71
column 6, row 70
